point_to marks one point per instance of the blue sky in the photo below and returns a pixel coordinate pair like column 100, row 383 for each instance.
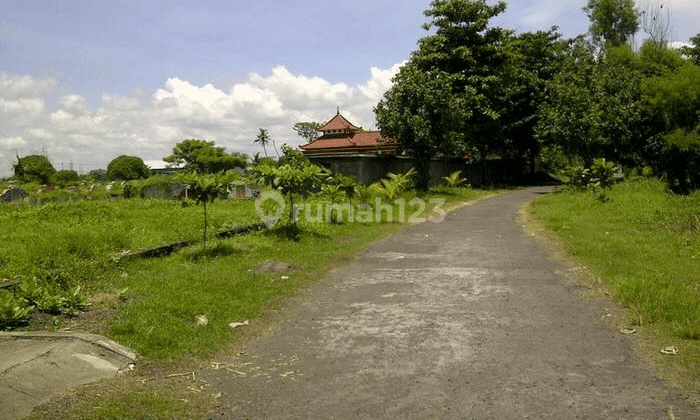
column 86, row 81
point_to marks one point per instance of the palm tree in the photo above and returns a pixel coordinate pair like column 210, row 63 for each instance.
column 263, row 138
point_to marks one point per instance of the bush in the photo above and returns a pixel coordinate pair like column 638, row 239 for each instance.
column 65, row 178
column 12, row 311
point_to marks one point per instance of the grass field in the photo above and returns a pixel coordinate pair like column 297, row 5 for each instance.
column 644, row 244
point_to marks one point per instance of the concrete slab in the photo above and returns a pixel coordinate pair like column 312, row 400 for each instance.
column 34, row 366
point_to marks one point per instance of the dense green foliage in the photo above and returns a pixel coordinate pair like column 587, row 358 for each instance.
column 204, row 157
column 65, row 177
column 472, row 90
column 126, row 168
column 34, row 168
column 451, row 86
column 613, row 22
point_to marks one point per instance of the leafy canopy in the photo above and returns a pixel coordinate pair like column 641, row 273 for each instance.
column 612, row 21
column 127, row 168
column 203, row 156
column 451, row 86
column 34, row 168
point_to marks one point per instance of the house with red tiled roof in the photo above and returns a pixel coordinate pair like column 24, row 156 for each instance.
column 346, row 148
column 342, row 138
column 370, row 155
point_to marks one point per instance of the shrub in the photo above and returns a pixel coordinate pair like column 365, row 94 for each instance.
column 391, row 188
column 13, row 311
column 602, row 176
column 64, row 178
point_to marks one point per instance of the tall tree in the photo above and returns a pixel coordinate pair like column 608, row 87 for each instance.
column 448, row 98
column 535, row 59
column 263, row 139
column 204, row 157
column 672, row 101
column 308, row 130
column 593, row 105
column 613, row 22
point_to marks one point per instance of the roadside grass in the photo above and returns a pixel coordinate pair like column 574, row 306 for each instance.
column 644, row 243
column 153, row 304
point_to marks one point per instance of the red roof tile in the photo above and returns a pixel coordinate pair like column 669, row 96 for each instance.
column 363, row 139
column 364, row 143
column 338, row 123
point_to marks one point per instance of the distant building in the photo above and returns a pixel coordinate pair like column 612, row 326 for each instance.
column 160, row 167
column 342, row 138
column 348, row 149
column 370, row 155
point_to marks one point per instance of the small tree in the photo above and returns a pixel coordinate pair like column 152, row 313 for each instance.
column 295, row 176
column 602, row 176
column 205, row 188
column 127, row 168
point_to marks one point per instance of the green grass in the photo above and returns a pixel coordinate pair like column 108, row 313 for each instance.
column 644, row 243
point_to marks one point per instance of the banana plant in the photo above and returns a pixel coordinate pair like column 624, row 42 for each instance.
column 391, row 188
column 453, row 180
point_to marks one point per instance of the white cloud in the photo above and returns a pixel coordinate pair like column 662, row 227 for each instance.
column 89, row 136
column 11, row 142
column 20, row 87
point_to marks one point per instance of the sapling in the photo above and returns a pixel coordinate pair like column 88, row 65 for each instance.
column 205, row 188
column 602, row 176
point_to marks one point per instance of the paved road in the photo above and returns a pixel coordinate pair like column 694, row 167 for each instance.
column 465, row 319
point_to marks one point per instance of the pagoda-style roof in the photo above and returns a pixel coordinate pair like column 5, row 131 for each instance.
column 342, row 138
column 338, row 124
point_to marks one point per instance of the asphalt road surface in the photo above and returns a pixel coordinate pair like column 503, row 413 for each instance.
column 464, row 319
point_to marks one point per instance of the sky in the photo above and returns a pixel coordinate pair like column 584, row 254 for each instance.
column 85, row 81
